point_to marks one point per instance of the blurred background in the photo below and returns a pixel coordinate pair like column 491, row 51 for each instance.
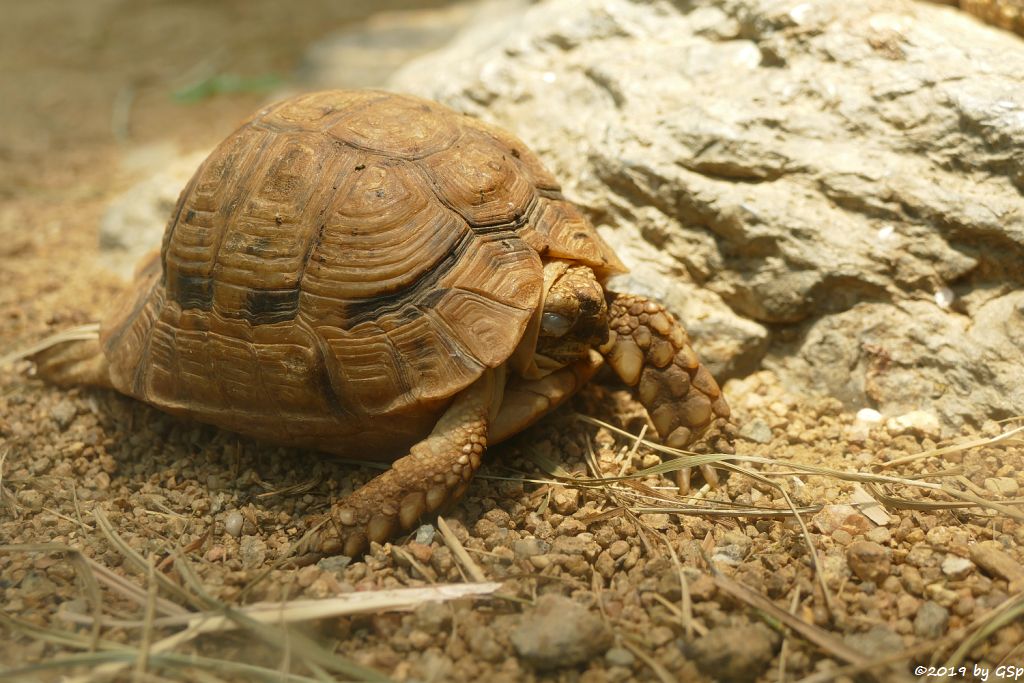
column 85, row 82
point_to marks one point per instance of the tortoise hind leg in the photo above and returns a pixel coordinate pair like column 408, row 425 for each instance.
column 651, row 351
column 437, row 471
column 72, row 357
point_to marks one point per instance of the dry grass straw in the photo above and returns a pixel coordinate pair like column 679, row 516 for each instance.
column 1010, row 611
column 683, row 459
column 185, row 604
column 80, row 333
column 663, row 674
column 625, row 487
column 190, row 607
column 467, row 564
column 872, row 480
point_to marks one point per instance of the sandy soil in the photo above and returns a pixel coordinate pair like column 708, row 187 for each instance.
column 610, row 583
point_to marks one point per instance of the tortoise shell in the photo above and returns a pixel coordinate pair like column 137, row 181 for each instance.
column 340, row 258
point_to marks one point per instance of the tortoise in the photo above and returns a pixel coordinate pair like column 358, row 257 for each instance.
column 377, row 276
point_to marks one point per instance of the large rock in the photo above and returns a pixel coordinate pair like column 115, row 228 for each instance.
column 364, row 54
column 133, row 223
column 831, row 189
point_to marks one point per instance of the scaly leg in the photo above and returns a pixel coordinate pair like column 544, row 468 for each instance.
column 437, row 471
column 71, row 357
column 527, row 401
column 651, row 351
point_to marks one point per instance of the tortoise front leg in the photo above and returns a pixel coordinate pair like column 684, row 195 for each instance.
column 437, row 471
column 651, row 351
column 527, row 401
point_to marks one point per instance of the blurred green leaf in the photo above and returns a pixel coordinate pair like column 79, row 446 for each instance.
column 220, row 84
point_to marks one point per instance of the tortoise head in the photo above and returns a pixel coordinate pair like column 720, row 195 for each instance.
column 575, row 316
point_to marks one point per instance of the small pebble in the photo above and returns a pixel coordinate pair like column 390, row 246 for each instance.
column 420, row 639
column 957, row 567
column 931, row 620
column 558, row 632
column 868, row 560
column 906, row 605
column 307, row 575
column 842, row 536
column 660, row 635
column 233, row 523
column 1002, row 486
column 252, row 551
column 732, row 549
column 876, row 642
column 425, row 534
column 938, row 593
column 571, row 545
column 916, row 422
column 735, row 653
column 757, row 430
column 944, row 297
column 433, row 617
column 990, row 556
column 869, row 415
column 33, row 500
column 565, row 501
column 484, row 645
column 879, row 535
column 530, row 547
column 920, row 555
column 657, row 520
column 618, row 548
column 939, row 536
column 832, row 517
column 619, row 656
column 64, row 413
column 335, row 563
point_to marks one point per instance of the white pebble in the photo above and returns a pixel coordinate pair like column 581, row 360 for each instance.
column 869, row 415
column 425, row 534
column 916, row 421
column 957, row 567
column 233, row 523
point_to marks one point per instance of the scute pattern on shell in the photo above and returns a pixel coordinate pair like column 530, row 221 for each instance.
column 341, row 257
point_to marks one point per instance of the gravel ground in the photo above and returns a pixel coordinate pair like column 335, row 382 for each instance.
column 588, row 591
column 607, row 583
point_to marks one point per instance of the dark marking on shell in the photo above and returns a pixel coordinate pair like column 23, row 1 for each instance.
column 268, row 306
column 423, row 290
column 190, row 291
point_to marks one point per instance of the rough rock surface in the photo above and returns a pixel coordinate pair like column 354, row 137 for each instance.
column 134, row 222
column 176, row 489
column 365, row 54
column 830, row 189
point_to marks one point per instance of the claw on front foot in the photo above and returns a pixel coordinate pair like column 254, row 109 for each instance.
column 437, row 471
column 722, row 434
column 352, row 526
column 398, row 499
column 651, row 351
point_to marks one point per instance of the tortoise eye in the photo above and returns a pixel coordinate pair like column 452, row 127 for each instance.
column 555, row 325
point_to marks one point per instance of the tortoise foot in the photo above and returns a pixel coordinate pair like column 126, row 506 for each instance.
column 436, row 472
column 651, row 352
column 68, row 358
